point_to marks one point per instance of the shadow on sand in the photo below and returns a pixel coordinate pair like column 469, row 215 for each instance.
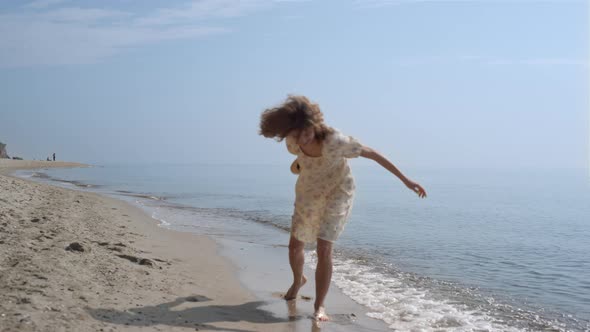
column 197, row 316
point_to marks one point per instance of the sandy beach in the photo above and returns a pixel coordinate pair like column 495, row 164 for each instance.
column 79, row 261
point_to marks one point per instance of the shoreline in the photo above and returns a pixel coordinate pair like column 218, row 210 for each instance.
column 106, row 287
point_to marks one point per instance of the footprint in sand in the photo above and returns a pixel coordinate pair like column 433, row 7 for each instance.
column 300, row 297
column 342, row 319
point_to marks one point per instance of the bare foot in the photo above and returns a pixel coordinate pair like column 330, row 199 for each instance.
column 292, row 309
column 294, row 289
column 320, row 315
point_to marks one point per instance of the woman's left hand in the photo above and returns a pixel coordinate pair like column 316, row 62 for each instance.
column 295, row 168
column 416, row 188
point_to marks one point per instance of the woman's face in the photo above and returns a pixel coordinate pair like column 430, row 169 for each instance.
column 303, row 136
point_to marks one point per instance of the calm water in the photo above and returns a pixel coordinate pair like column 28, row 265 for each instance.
column 487, row 250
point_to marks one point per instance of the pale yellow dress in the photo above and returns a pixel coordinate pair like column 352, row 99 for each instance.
column 325, row 188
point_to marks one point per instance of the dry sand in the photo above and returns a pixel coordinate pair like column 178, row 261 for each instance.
column 125, row 272
column 182, row 283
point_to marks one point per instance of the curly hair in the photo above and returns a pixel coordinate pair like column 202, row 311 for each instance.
column 297, row 112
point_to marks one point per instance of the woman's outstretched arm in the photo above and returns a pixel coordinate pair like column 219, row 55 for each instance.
column 369, row 153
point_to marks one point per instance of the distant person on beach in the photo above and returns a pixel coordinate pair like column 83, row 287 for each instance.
column 54, row 156
column 325, row 187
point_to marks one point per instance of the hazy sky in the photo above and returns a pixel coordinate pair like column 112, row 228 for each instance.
column 429, row 83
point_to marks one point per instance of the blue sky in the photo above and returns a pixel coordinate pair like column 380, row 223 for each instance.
column 494, row 84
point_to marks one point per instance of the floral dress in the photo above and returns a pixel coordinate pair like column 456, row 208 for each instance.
column 325, row 188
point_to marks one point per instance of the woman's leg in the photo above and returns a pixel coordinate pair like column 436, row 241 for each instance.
column 323, row 276
column 296, row 260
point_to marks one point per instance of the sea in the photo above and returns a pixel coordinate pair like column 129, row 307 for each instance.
column 487, row 250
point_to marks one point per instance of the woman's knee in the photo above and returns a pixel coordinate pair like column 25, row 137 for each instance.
column 295, row 245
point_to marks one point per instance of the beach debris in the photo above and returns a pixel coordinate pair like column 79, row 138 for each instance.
column 162, row 261
column 115, row 249
column 129, row 258
column 146, row 261
column 140, row 261
column 197, row 298
column 38, row 276
column 23, row 300
column 35, row 220
column 76, row 246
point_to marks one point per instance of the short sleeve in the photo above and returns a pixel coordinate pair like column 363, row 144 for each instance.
column 348, row 146
column 292, row 145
